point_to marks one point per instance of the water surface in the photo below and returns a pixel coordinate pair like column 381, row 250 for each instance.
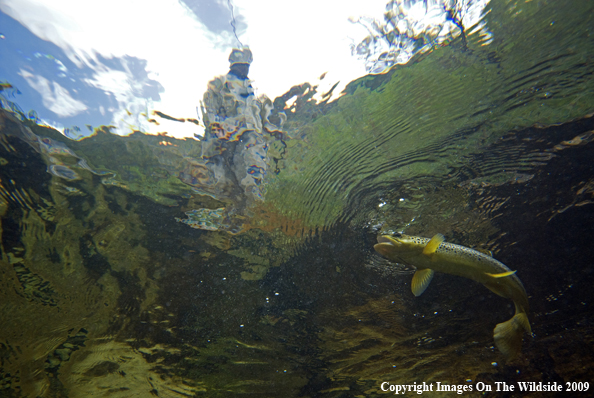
column 106, row 289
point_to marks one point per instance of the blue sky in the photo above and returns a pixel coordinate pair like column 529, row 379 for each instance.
column 23, row 54
column 113, row 62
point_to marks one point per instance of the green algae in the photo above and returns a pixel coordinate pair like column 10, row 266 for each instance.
column 460, row 98
column 96, row 268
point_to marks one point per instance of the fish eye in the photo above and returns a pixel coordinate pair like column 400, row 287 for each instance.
column 397, row 234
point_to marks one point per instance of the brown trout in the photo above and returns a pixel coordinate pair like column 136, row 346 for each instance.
column 430, row 255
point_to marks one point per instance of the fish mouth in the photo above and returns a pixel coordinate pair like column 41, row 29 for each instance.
column 388, row 246
column 384, row 239
column 388, row 239
column 385, row 246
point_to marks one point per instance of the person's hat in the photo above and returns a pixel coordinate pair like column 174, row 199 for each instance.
column 243, row 56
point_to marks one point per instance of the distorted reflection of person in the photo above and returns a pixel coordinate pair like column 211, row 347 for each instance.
column 234, row 147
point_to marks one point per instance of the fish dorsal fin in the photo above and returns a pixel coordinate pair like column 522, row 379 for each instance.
column 486, row 252
column 421, row 280
column 501, row 275
column 433, row 244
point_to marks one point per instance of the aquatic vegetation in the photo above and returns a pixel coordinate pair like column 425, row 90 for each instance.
column 128, row 262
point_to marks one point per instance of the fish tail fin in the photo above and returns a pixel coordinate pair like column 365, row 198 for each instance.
column 508, row 335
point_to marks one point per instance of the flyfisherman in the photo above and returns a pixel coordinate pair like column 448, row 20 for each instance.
column 234, row 146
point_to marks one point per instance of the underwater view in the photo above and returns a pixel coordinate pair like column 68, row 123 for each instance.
column 215, row 198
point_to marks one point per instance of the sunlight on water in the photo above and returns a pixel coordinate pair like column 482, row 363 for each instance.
column 240, row 260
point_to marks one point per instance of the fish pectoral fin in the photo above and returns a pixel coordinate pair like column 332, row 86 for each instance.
column 501, row 275
column 433, row 244
column 421, row 280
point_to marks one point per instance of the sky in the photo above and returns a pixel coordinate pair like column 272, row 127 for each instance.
column 85, row 63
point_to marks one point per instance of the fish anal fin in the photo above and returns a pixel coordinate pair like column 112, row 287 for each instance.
column 433, row 244
column 501, row 275
column 496, row 288
column 421, row 280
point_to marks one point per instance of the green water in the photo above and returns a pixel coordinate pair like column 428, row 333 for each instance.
column 104, row 293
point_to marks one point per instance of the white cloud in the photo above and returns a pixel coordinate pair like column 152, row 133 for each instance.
column 55, row 97
column 297, row 41
column 181, row 54
column 293, row 42
column 123, row 88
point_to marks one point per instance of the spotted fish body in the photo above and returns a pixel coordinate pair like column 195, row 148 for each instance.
column 430, row 255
